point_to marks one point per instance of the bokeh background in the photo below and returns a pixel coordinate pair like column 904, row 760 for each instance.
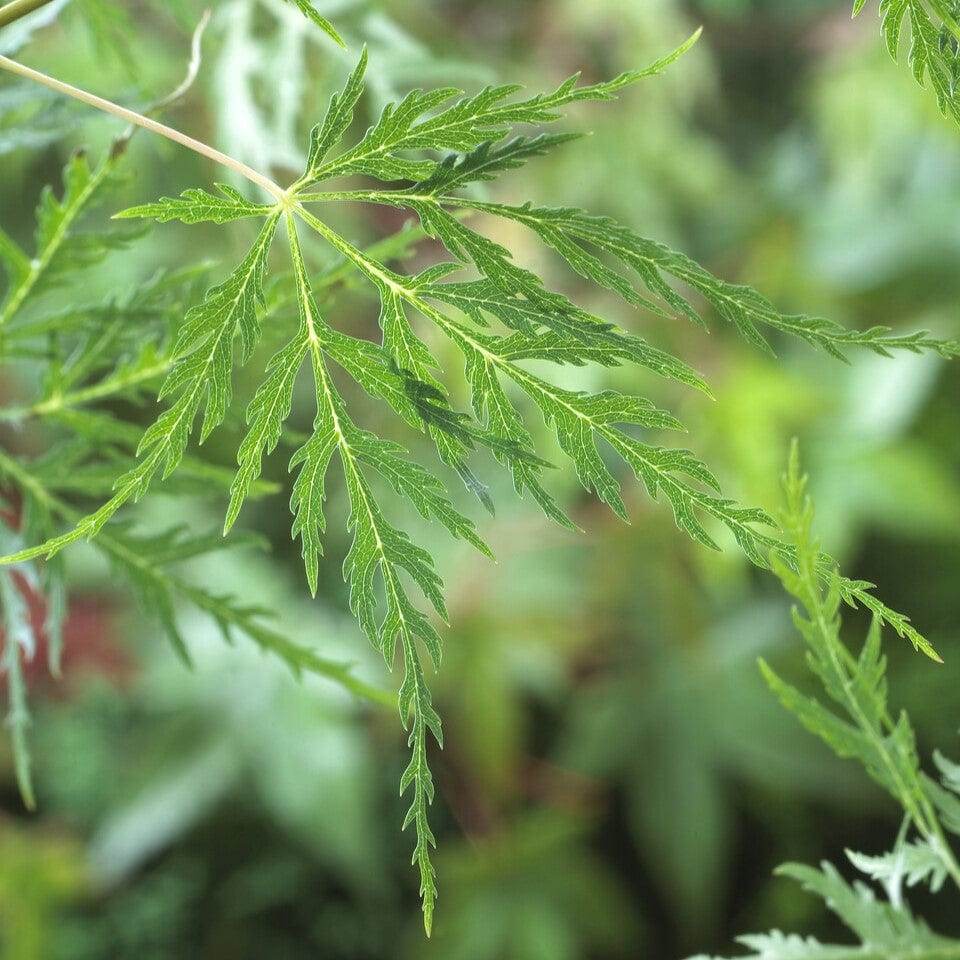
column 617, row 781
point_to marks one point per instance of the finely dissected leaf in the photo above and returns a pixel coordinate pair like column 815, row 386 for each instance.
column 203, row 372
column 571, row 232
column 157, row 587
column 864, row 729
column 197, row 205
column 378, row 548
column 418, row 123
column 144, row 560
column 500, row 316
column 266, row 413
column 205, row 347
column 934, row 52
column 60, row 249
column 327, row 134
column 885, row 933
column 578, row 419
column 487, row 162
column 910, row 864
column 885, row 748
column 878, row 925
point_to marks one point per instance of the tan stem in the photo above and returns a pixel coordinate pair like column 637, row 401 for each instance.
column 19, row 8
column 275, row 190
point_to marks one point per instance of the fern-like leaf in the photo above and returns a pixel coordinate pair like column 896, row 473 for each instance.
column 144, row 560
column 885, row 746
column 910, row 864
column 378, row 548
column 60, row 248
column 884, row 932
column 499, row 317
column 198, row 206
column 418, row 123
column 934, row 52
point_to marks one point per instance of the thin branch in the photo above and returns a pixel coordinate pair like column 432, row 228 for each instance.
column 274, row 189
column 19, row 8
column 193, row 68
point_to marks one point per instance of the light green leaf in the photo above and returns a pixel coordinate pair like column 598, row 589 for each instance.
column 328, row 134
column 419, row 123
column 909, row 863
column 934, row 53
column 265, row 415
column 884, row 932
column 197, row 206
column 378, row 548
column 60, row 248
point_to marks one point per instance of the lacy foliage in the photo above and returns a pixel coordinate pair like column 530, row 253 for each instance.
column 855, row 721
column 423, row 155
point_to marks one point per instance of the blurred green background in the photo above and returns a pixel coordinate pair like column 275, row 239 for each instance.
column 617, row 782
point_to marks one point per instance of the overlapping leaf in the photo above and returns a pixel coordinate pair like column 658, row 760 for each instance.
column 146, row 559
column 60, row 248
column 885, row 933
column 864, row 729
column 934, row 52
column 499, row 315
column 886, row 749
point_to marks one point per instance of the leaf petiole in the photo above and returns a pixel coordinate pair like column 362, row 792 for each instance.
column 148, row 123
column 11, row 12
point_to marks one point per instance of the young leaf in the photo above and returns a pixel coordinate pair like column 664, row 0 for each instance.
column 884, row 932
column 910, row 863
column 885, row 746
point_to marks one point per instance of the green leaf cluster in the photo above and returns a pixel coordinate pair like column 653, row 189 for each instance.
column 424, row 155
column 855, row 722
column 934, row 52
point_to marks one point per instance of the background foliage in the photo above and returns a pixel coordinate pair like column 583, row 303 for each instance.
column 617, row 781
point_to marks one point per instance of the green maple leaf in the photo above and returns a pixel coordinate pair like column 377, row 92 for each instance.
column 498, row 314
